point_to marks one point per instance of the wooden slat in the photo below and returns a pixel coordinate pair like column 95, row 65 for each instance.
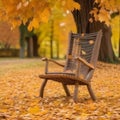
column 85, row 62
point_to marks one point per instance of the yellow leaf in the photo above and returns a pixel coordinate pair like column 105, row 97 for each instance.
column 83, row 52
column 71, row 5
column 91, row 20
column 30, row 27
column 35, row 23
column 104, row 16
column 34, row 110
column 83, row 34
column 45, row 15
column 91, row 41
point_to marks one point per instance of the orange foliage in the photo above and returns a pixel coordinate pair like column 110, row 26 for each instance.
column 8, row 37
column 34, row 11
column 106, row 8
column 20, row 89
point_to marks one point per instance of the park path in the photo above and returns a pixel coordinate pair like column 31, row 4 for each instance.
column 10, row 61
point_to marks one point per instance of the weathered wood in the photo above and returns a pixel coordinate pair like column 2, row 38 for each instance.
column 81, row 59
column 66, row 90
column 75, row 96
column 85, row 62
column 50, row 60
column 91, row 92
column 42, row 88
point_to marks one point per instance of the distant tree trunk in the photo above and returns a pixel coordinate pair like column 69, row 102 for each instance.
column 51, row 38
column 32, row 46
column 29, row 47
column 35, row 45
column 81, row 18
column 57, row 45
column 22, row 29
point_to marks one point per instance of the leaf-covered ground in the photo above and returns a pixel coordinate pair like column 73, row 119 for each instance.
column 19, row 91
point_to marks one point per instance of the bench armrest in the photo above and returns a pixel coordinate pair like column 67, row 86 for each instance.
column 85, row 62
column 50, row 60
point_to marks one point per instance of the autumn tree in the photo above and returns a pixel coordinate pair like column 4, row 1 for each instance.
column 20, row 12
column 53, row 35
column 95, row 15
column 17, row 12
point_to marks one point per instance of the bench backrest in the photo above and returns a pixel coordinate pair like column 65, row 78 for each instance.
column 85, row 46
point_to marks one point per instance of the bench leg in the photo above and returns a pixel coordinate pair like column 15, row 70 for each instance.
column 66, row 89
column 75, row 96
column 91, row 92
column 42, row 88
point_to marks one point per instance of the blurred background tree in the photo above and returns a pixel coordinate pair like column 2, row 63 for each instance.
column 51, row 20
column 8, row 38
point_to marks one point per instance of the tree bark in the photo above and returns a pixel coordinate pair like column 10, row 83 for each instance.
column 29, row 47
column 35, row 45
column 51, row 38
column 22, row 29
column 83, row 25
column 57, row 45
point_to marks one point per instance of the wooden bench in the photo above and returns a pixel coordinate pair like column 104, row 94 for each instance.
column 82, row 55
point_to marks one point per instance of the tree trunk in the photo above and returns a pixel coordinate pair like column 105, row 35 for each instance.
column 22, row 29
column 81, row 18
column 29, row 47
column 57, row 45
column 51, row 38
column 106, row 50
column 35, row 45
